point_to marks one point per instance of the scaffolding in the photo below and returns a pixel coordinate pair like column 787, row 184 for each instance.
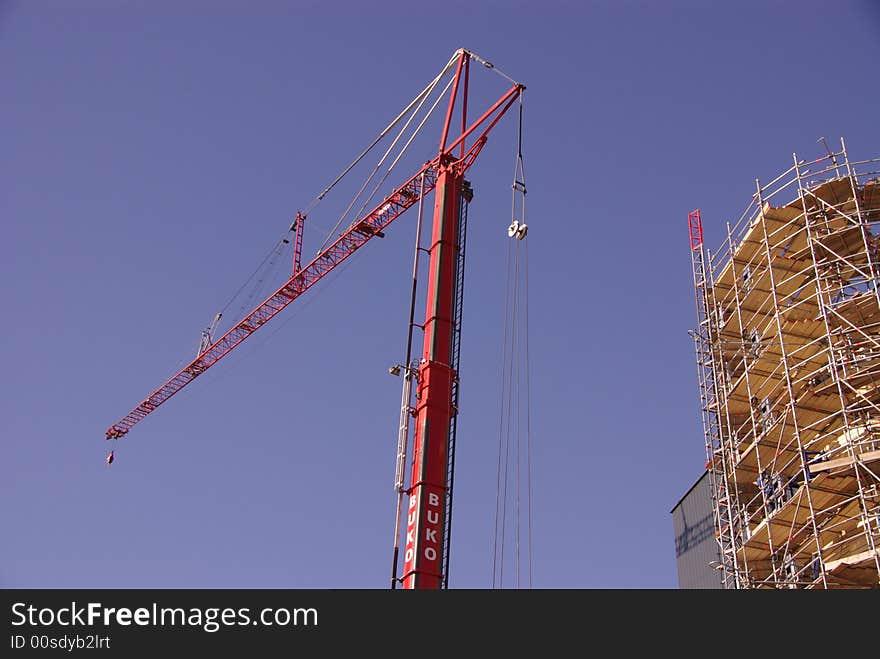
column 788, row 365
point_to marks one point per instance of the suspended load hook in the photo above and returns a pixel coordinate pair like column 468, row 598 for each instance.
column 517, row 230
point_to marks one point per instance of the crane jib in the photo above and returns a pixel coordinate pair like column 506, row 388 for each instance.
column 357, row 235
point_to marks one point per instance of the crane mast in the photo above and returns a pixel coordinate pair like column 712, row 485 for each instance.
column 426, row 508
column 428, row 496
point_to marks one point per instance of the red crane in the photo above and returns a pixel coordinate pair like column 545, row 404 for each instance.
column 429, row 493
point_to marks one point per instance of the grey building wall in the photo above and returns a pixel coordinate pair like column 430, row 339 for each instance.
column 695, row 546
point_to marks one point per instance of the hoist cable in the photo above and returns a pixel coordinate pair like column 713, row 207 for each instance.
column 312, row 296
column 519, row 132
column 405, row 147
column 510, row 381
column 418, row 99
column 417, row 102
column 528, row 415
column 400, row 134
column 515, row 397
column 509, row 419
column 410, row 110
column 253, row 274
column 267, row 273
column 513, row 487
column 501, row 417
column 528, row 411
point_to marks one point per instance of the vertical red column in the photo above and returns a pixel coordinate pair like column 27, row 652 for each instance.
column 426, row 505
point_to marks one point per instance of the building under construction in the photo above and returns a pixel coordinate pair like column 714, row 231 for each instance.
column 788, row 363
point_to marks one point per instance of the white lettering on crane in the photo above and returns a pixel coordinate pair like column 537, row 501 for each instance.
column 410, row 530
column 432, row 518
column 432, row 532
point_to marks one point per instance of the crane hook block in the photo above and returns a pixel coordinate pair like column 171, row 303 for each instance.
column 110, row 458
column 517, row 230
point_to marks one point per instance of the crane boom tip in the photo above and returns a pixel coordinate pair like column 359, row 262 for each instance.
column 114, row 433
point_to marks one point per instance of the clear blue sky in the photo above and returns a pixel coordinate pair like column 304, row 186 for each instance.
column 152, row 153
